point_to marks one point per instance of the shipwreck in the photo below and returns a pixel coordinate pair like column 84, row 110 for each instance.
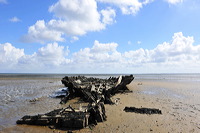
column 94, row 91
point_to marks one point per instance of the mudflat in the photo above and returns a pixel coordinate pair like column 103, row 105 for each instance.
column 178, row 101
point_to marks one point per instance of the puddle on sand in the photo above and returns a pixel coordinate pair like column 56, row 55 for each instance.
column 163, row 92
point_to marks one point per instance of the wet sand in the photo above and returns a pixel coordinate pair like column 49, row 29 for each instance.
column 179, row 102
column 16, row 94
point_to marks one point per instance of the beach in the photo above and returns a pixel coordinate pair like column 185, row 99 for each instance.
column 177, row 99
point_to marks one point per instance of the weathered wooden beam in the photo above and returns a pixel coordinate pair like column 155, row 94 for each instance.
column 143, row 110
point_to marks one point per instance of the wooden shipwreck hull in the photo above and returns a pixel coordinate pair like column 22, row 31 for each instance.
column 95, row 91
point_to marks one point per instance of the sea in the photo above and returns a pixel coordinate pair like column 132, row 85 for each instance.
column 32, row 94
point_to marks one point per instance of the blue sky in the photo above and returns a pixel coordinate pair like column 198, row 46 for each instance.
column 100, row 36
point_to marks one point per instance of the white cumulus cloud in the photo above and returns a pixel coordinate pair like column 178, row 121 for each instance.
column 102, row 57
column 103, row 47
column 41, row 32
column 9, row 55
column 127, row 6
column 85, row 10
column 78, row 17
column 52, row 54
column 178, row 55
column 72, row 18
column 44, row 60
column 108, row 16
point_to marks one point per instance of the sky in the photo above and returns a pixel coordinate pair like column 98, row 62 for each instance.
column 100, row 36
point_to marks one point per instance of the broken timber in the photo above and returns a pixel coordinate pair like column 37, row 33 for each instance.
column 143, row 110
column 93, row 90
column 68, row 117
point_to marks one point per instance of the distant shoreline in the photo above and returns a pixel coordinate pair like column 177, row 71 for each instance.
column 175, row 76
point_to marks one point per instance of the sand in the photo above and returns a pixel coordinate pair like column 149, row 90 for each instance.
column 178, row 101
